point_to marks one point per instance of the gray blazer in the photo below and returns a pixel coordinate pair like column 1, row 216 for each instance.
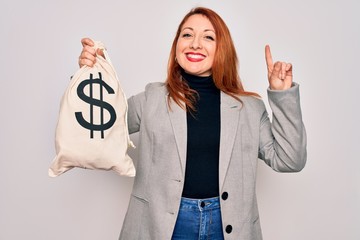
column 246, row 135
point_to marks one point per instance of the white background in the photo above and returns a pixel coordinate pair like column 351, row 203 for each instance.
column 40, row 44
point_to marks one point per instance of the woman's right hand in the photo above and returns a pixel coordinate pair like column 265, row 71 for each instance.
column 88, row 53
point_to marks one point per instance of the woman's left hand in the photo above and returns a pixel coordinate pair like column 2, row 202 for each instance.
column 279, row 73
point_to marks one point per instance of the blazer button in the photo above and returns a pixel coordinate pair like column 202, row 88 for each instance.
column 228, row 229
column 225, row 195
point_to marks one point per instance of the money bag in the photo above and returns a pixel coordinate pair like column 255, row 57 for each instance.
column 91, row 131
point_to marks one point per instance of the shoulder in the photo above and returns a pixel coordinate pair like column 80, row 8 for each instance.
column 155, row 87
column 151, row 90
column 253, row 108
column 155, row 90
column 252, row 103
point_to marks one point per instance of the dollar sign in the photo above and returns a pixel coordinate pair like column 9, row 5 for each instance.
column 97, row 102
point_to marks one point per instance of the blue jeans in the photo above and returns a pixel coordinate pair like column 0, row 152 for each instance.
column 199, row 219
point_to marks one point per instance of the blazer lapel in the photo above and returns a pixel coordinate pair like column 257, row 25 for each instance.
column 230, row 114
column 178, row 122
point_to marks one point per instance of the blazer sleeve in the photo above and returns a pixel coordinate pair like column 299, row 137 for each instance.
column 137, row 104
column 135, row 108
column 283, row 142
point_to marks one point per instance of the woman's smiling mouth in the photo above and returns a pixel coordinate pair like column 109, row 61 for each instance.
column 195, row 57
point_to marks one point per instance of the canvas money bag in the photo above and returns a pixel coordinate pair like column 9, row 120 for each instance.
column 92, row 130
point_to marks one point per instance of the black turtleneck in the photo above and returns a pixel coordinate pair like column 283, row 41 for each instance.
column 203, row 140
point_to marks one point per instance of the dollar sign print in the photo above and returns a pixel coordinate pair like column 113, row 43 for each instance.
column 97, row 102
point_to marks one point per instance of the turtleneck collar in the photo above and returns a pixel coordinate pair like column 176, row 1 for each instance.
column 198, row 82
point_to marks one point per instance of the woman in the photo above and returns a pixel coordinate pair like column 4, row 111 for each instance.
column 200, row 135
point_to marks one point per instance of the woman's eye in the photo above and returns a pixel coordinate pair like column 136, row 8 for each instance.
column 186, row 35
column 210, row 38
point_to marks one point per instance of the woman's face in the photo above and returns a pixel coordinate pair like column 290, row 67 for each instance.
column 196, row 45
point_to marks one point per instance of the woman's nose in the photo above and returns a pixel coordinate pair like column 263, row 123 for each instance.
column 195, row 44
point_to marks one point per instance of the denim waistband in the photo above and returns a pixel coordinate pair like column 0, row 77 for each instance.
column 199, row 204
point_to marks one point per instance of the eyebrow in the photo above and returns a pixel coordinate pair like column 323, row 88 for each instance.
column 190, row 28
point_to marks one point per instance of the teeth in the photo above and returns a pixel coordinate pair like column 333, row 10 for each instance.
column 195, row 56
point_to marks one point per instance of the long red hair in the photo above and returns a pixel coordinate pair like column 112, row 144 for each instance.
column 224, row 68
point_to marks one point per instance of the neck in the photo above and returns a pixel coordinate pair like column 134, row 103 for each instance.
column 198, row 82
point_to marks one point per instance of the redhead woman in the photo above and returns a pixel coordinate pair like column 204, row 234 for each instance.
column 201, row 135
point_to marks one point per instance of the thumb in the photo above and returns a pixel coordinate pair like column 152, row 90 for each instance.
column 100, row 52
column 87, row 41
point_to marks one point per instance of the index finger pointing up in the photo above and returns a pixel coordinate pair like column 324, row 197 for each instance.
column 268, row 57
